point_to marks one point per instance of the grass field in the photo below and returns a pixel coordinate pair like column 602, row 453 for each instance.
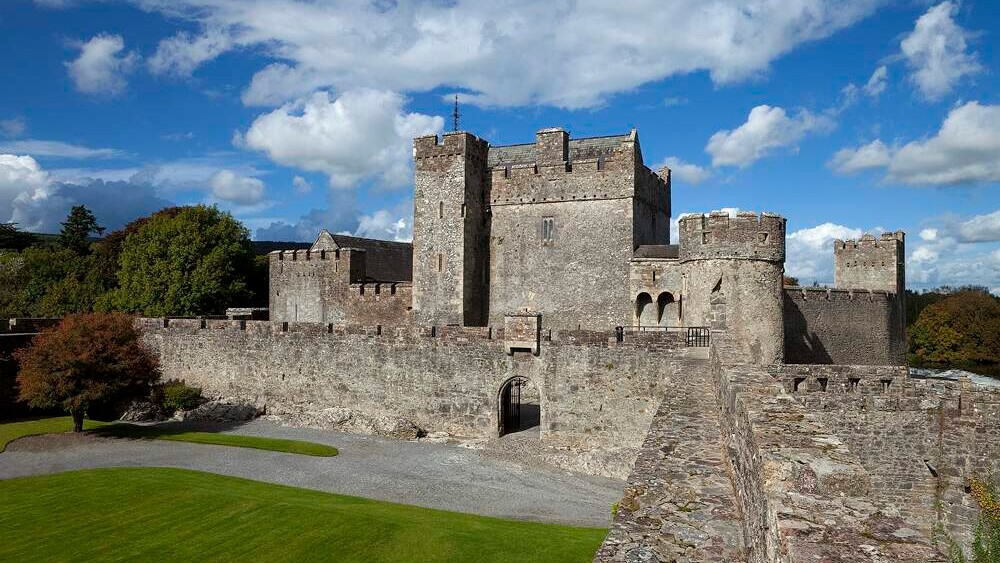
column 255, row 442
column 178, row 515
column 10, row 431
column 13, row 430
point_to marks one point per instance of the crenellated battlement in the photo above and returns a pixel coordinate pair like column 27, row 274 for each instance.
column 885, row 240
column 837, row 294
column 308, row 255
column 452, row 144
column 747, row 236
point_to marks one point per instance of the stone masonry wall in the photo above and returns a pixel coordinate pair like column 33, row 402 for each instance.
column 919, row 439
column 595, row 392
column 327, row 286
column 579, row 278
column 838, row 326
column 803, row 492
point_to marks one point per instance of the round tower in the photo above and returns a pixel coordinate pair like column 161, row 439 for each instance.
column 732, row 269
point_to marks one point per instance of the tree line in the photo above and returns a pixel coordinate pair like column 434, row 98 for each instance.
column 179, row 261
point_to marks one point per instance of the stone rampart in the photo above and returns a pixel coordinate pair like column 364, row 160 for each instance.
column 595, row 392
column 920, row 440
column 842, row 326
column 803, row 493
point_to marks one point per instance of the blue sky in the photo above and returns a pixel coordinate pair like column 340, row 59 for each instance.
column 845, row 116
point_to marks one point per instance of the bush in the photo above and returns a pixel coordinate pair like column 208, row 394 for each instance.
column 179, row 396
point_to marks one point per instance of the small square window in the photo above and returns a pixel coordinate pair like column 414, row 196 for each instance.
column 548, row 229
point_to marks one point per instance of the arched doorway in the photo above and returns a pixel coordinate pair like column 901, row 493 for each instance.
column 645, row 311
column 668, row 308
column 519, row 407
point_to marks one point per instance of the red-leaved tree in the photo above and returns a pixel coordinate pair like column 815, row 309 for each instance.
column 86, row 358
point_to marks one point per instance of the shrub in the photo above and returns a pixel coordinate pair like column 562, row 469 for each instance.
column 179, row 396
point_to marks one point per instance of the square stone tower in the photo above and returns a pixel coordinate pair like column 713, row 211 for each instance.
column 450, row 230
column 871, row 263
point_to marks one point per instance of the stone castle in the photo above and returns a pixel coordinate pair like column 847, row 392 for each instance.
column 576, row 231
column 754, row 421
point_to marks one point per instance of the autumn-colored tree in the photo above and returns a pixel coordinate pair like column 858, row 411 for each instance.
column 86, row 358
column 961, row 329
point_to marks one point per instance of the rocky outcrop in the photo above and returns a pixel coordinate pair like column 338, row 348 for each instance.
column 144, row 411
column 221, row 410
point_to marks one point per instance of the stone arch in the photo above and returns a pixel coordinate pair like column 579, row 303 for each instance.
column 519, row 406
column 668, row 309
column 645, row 310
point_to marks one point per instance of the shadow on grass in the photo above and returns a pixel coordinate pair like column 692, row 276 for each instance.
column 180, row 432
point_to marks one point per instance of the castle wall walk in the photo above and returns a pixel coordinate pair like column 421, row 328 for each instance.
column 595, row 392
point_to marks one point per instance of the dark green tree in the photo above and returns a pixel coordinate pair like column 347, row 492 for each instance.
column 962, row 329
column 197, row 260
column 77, row 228
column 14, row 239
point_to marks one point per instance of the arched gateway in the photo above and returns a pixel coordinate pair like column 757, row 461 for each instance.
column 519, row 406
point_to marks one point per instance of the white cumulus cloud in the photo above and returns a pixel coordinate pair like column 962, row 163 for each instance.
column 362, row 134
column 966, row 150
column 937, row 52
column 873, row 155
column 766, row 129
column 809, row 252
column 181, row 54
column 234, row 188
column 102, row 66
column 500, row 53
column 22, row 181
column 981, row 228
column 685, row 171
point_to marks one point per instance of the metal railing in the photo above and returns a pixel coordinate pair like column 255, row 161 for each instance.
column 695, row 336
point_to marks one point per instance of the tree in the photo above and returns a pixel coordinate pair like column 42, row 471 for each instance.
column 197, row 260
column 14, row 239
column 790, row 280
column 86, row 358
column 960, row 329
column 79, row 224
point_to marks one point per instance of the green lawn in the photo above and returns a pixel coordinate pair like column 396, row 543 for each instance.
column 178, row 515
column 167, row 433
column 13, row 430
column 10, row 431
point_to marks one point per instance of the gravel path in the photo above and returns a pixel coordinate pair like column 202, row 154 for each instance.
column 422, row 474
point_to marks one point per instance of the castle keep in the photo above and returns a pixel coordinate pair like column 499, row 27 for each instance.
column 541, row 293
column 576, row 232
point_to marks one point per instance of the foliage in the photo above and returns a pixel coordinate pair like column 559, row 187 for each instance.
column 195, row 262
column 86, row 358
column 790, row 280
column 194, row 516
column 77, row 228
column 960, row 329
column 50, row 281
column 11, row 431
column 14, row 239
column 173, row 433
column 178, row 395
column 985, row 546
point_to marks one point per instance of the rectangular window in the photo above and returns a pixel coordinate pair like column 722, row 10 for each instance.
column 548, row 229
column 440, row 262
column 463, row 210
column 440, row 210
